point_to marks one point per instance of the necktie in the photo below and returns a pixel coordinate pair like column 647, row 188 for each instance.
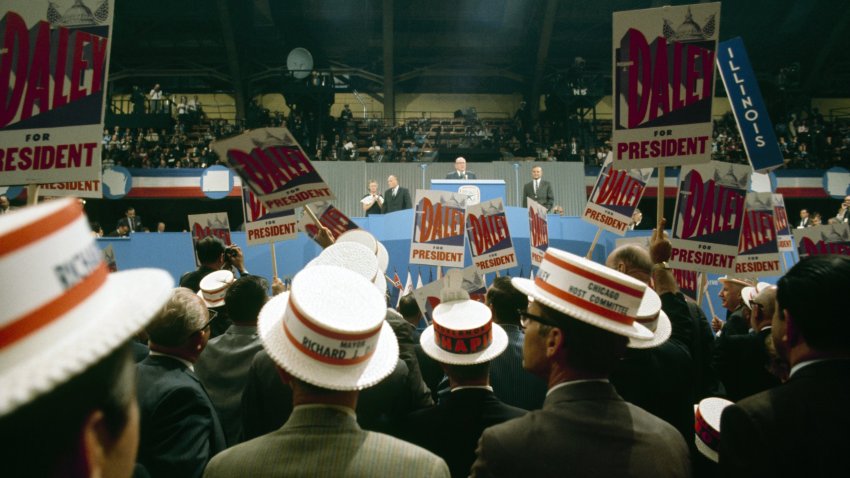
column 394, row 191
column 535, row 187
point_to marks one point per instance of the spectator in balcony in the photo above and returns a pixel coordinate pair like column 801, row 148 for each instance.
column 375, row 153
column 155, row 97
column 346, row 114
column 390, row 151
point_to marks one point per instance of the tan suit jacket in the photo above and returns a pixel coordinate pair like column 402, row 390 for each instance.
column 324, row 441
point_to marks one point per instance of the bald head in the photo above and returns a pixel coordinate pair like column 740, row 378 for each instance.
column 632, row 260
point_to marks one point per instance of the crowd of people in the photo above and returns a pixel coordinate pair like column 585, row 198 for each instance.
column 588, row 369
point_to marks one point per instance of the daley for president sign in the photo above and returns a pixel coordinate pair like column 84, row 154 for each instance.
column 438, row 229
column 663, row 74
column 54, row 59
column 489, row 237
column 615, row 197
column 758, row 250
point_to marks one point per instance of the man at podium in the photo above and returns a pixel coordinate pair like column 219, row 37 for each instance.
column 460, row 171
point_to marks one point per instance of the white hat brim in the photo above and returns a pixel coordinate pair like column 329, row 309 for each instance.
column 499, row 344
column 529, row 288
column 735, row 280
column 331, row 377
column 663, row 330
column 125, row 304
column 383, row 258
column 705, row 450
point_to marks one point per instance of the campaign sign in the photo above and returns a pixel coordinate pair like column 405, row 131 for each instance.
column 615, row 196
column 438, row 223
column 428, row 296
column 709, row 216
column 489, row 237
column 688, row 282
column 783, row 229
column 54, row 59
column 758, row 251
column 663, row 83
column 78, row 189
column 538, row 227
column 263, row 227
column 329, row 216
column 825, row 239
column 203, row 225
column 274, row 166
column 748, row 106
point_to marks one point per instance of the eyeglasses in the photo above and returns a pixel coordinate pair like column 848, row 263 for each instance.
column 213, row 315
column 525, row 317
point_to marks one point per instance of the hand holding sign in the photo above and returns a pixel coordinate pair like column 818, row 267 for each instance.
column 660, row 247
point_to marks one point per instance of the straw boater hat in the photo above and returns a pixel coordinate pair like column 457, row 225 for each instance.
column 748, row 294
column 462, row 332
column 592, row 293
column 364, row 237
column 355, row 257
column 61, row 310
column 653, row 318
column 707, row 425
column 737, row 280
column 329, row 330
column 214, row 287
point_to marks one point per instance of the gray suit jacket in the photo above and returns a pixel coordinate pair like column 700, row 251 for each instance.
column 223, row 369
column 544, row 196
column 325, row 441
column 584, row 429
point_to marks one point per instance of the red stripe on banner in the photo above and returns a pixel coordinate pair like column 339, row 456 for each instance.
column 594, row 277
column 329, row 333
column 174, row 192
column 32, row 232
column 23, row 326
column 812, row 193
column 323, row 358
column 596, row 309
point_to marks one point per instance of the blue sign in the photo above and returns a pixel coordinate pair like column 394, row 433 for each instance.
column 748, row 106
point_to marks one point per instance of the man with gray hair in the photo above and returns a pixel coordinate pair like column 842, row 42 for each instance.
column 180, row 429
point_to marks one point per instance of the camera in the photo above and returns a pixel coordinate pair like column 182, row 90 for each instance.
column 230, row 252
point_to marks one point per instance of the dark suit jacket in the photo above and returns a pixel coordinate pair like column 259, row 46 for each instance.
column 741, row 363
column 134, row 223
column 179, row 428
column 584, row 429
column 544, row 196
column 796, row 429
column 397, row 203
column 511, row 383
column 706, row 383
column 454, row 175
column 735, row 323
column 660, row 379
column 267, row 401
column 451, row 429
column 192, row 279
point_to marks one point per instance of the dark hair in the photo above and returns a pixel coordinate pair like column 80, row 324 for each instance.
column 43, row 436
column 462, row 373
column 506, row 300
column 587, row 347
column 408, row 307
column 245, row 297
column 210, row 249
column 813, row 292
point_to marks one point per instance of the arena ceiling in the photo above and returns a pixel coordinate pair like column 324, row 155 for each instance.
column 459, row 46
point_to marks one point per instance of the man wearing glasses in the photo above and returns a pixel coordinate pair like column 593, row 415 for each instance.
column 742, row 361
column 180, row 429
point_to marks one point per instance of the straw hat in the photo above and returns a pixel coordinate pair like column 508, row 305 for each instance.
column 353, row 256
column 748, row 294
column 329, row 330
column 592, row 293
column 363, row 236
column 707, row 425
column 62, row 311
column 214, row 287
column 653, row 318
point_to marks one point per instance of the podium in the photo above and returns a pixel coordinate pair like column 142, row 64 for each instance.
column 476, row 190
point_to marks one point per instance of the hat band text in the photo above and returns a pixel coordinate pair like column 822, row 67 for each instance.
column 586, row 304
column 327, row 346
column 463, row 342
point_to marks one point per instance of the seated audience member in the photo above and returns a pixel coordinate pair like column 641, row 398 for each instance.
column 213, row 255
column 511, row 383
column 657, row 375
column 122, row 231
column 341, row 313
column 223, row 367
column 68, row 407
column 799, row 428
column 453, row 427
column 584, row 428
column 180, row 429
column 742, row 361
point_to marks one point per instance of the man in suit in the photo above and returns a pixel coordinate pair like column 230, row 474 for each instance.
column 805, row 220
column 328, row 338
column 453, row 427
column 212, row 256
column 511, row 383
column 800, row 427
column 460, row 171
column 223, row 367
column 538, row 189
column 133, row 222
column 742, row 361
column 396, row 197
column 585, row 428
column 730, row 297
column 180, row 430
